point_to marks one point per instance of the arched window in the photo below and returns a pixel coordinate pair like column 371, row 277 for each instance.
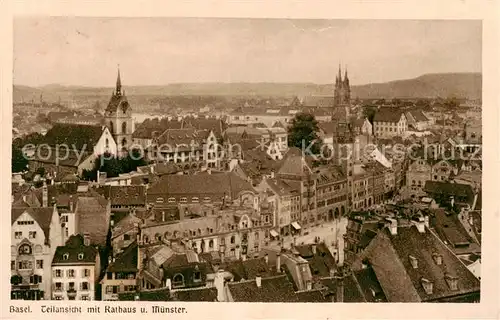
column 211, row 244
column 233, row 239
column 124, row 142
column 178, row 280
column 124, row 127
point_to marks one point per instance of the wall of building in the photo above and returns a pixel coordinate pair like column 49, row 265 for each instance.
column 78, row 279
column 40, row 257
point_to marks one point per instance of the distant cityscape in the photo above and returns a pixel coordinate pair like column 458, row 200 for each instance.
column 234, row 198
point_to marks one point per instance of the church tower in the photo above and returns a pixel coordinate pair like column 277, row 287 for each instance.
column 118, row 117
column 347, row 90
column 342, row 91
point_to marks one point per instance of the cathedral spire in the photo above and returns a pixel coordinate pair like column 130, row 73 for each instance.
column 346, row 78
column 118, row 83
column 340, row 74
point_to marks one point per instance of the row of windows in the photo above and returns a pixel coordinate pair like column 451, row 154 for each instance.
column 116, row 289
column 182, row 200
column 83, row 298
column 70, row 273
column 387, row 129
column 84, row 286
column 19, row 234
column 121, row 275
column 26, row 264
column 22, row 223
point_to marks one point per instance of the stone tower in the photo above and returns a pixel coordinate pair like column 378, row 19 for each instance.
column 118, row 117
column 342, row 91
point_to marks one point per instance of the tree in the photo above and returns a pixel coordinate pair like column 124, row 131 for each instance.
column 304, row 131
column 19, row 163
column 369, row 112
column 451, row 103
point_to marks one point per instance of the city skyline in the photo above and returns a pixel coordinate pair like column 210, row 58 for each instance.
column 161, row 51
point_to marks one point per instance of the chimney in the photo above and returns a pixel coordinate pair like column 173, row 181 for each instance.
column 421, row 225
column 278, row 262
column 414, row 262
column 45, row 195
column 237, row 252
column 258, row 281
column 86, row 239
column 426, row 221
column 266, row 258
column 309, row 285
column 474, row 202
column 438, row 259
column 313, row 248
column 168, row 284
column 393, row 227
column 427, row 285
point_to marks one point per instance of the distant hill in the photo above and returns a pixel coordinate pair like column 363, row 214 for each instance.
column 460, row 85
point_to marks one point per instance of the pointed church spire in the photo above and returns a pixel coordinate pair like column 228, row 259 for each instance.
column 346, row 78
column 118, row 83
column 340, row 74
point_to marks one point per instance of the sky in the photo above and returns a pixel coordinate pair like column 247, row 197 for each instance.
column 86, row 51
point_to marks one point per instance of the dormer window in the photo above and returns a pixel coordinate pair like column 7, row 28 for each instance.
column 66, row 256
column 427, row 285
column 438, row 259
column 413, row 261
column 452, row 282
column 80, row 256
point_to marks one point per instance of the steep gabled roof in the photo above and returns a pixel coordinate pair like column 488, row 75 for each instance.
column 196, row 294
column 75, row 252
column 79, row 136
column 294, row 164
column 227, row 182
column 418, row 115
column 386, row 114
column 389, row 256
column 273, row 289
column 42, row 215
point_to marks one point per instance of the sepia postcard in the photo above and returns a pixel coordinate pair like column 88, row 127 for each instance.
column 250, row 160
